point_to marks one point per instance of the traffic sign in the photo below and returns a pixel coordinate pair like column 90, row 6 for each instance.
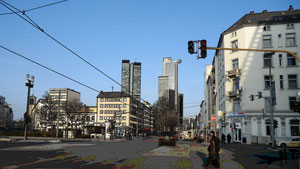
column 213, row 118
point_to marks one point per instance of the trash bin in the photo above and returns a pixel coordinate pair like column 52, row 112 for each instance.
column 244, row 139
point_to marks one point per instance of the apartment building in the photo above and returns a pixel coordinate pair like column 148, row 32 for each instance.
column 6, row 115
column 236, row 75
column 117, row 106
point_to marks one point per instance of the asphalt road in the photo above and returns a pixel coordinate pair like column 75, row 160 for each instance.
column 137, row 153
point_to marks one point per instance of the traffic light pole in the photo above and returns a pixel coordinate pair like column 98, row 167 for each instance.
column 271, row 101
column 257, row 50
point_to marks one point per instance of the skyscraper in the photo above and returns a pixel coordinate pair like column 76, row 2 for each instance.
column 131, row 78
column 168, row 82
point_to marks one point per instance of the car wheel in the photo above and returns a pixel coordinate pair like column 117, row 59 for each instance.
column 283, row 145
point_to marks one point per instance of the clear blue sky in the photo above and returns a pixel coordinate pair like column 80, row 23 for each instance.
column 104, row 33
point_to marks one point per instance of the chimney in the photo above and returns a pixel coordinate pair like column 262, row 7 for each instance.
column 291, row 8
column 251, row 12
column 265, row 11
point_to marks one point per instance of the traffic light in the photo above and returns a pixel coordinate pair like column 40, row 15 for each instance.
column 203, row 48
column 259, row 94
column 251, row 97
column 191, row 47
column 275, row 124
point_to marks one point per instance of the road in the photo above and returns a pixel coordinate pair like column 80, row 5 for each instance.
column 137, row 153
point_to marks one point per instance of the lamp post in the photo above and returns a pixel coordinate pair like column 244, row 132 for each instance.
column 29, row 83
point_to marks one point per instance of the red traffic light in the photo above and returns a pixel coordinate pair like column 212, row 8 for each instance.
column 203, row 48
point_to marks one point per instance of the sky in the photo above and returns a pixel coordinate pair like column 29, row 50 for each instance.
column 106, row 32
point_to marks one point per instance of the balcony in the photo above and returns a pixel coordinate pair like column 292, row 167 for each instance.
column 234, row 94
column 234, row 73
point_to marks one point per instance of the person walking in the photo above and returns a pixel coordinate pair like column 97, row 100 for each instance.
column 213, row 150
column 223, row 138
column 228, row 138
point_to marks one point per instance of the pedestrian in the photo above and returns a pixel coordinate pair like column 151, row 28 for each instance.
column 228, row 138
column 213, row 150
column 223, row 138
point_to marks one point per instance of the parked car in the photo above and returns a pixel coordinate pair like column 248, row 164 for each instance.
column 167, row 138
column 293, row 142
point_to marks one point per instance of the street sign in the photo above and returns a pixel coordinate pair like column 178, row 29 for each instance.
column 213, row 118
column 273, row 93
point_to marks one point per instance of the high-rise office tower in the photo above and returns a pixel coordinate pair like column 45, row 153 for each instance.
column 168, row 82
column 131, row 78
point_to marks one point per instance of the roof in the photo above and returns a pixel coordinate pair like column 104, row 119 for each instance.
column 112, row 94
column 266, row 18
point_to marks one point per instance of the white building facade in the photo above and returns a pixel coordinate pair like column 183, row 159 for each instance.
column 239, row 74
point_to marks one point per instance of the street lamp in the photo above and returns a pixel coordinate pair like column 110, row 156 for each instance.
column 29, row 83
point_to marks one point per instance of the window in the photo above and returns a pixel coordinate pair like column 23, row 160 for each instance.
column 235, row 63
column 267, row 81
column 292, row 80
column 93, row 118
column 236, row 105
column 281, row 81
column 233, row 34
column 290, row 26
column 124, row 99
column 267, row 28
column 279, row 40
column 234, row 44
column 124, row 105
column 290, row 39
column 267, row 41
column 268, row 126
column 267, row 61
column 291, row 61
column 292, row 101
column 124, row 117
column 124, row 111
column 101, row 111
column 236, row 84
column 295, row 125
column 101, row 105
column 101, row 117
column 280, row 60
column 101, row 100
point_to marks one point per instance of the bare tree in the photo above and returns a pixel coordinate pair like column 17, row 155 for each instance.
column 165, row 116
column 73, row 108
column 49, row 111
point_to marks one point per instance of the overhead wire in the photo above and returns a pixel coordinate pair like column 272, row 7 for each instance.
column 77, row 55
column 65, row 76
column 192, row 106
column 48, row 68
column 31, row 9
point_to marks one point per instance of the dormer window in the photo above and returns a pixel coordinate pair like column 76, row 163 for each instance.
column 233, row 34
column 267, row 28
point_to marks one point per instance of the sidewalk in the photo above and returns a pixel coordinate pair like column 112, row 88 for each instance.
column 55, row 140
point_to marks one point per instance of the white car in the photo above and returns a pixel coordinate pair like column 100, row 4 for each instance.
column 293, row 142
